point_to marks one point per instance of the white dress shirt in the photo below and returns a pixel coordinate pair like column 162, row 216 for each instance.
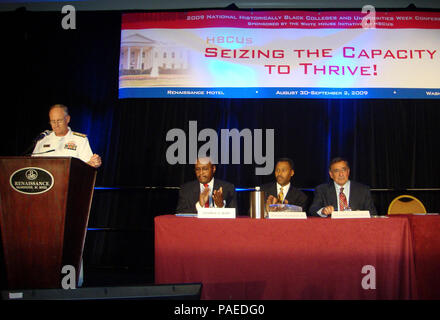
column 211, row 201
column 346, row 191
column 285, row 190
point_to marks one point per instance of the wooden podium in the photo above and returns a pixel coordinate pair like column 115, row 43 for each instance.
column 44, row 210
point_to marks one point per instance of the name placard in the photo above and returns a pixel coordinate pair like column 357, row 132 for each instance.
column 287, row 215
column 351, row 214
column 222, row 213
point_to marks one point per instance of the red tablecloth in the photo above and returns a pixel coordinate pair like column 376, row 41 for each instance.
column 316, row 258
column 426, row 243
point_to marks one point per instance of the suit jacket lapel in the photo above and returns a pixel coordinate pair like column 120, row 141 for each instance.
column 288, row 195
column 331, row 194
column 273, row 190
column 352, row 202
column 216, row 185
column 196, row 192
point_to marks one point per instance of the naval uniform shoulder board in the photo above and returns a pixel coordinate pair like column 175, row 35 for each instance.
column 79, row 134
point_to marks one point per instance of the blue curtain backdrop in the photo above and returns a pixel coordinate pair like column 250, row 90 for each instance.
column 389, row 143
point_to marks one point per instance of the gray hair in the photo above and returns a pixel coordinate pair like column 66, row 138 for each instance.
column 61, row 106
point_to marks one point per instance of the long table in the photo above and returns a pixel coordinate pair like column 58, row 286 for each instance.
column 425, row 232
column 315, row 258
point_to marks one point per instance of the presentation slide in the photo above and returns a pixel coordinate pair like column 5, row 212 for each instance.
column 280, row 54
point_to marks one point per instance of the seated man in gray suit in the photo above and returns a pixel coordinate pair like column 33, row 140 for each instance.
column 205, row 191
column 282, row 190
column 342, row 193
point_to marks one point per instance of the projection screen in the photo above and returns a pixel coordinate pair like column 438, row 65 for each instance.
column 280, row 54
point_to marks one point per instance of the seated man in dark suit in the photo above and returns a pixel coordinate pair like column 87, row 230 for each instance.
column 282, row 191
column 205, row 191
column 342, row 193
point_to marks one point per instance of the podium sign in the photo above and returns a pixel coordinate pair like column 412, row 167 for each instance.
column 44, row 211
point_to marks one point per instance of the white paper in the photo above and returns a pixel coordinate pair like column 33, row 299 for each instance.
column 222, row 213
column 351, row 214
column 15, row 295
column 287, row 215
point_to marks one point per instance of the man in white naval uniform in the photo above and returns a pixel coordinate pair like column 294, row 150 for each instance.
column 66, row 143
column 63, row 142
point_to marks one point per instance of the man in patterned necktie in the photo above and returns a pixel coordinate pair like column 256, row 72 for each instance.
column 282, row 191
column 341, row 194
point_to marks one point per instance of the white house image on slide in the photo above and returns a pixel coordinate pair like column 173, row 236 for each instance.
column 142, row 53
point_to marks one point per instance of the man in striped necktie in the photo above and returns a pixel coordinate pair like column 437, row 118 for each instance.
column 342, row 193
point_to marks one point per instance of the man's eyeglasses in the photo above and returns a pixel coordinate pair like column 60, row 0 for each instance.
column 59, row 121
column 340, row 170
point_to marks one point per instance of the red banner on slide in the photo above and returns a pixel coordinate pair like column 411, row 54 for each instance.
column 279, row 20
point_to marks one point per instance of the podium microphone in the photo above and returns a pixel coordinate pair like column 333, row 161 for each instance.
column 42, row 135
column 29, row 150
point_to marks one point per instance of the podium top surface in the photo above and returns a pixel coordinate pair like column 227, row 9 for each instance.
column 40, row 159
